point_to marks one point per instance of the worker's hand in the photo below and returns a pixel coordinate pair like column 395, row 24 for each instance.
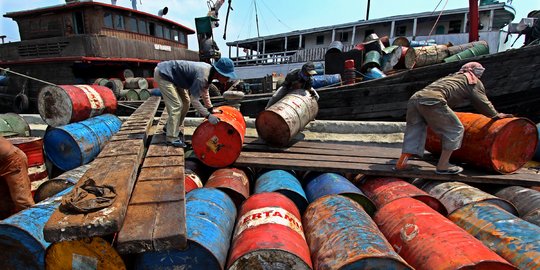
column 213, row 110
column 314, row 94
column 213, row 119
column 503, row 115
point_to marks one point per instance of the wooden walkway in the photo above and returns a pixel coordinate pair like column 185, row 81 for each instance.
column 155, row 219
column 344, row 158
column 117, row 166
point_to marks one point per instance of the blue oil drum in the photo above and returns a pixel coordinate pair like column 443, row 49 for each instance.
column 76, row 144
column 285, row 183
column 512, row 238
column 319, row 81
column 210, row 217
column 341, row 235
column 537, row 153
column 420, row 43
column 21, row 236
column 4, row 80
column 332, row 183
column 155, row 92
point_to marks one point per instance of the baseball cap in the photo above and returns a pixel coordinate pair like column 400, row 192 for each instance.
column 309, row 68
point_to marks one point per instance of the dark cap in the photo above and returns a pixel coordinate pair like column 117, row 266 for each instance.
column 309, row 68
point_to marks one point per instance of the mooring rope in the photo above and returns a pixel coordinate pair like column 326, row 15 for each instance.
column 28, row 77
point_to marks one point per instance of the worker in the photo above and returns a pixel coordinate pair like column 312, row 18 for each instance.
column 296, row 79
column 431, row 107
column 182, row 82
column 15, row 190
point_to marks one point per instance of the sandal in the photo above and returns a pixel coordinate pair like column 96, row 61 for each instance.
column 451, row 170
column 177, row 143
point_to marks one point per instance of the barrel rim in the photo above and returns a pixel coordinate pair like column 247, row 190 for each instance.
column 238, row 142
column 65, row 118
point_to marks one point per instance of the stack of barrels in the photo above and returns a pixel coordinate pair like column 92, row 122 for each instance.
column 128, row 87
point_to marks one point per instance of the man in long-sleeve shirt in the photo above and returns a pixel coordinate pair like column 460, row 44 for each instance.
column 431, row 107
column 184, row 82
column 15, row 194
column 296, row 79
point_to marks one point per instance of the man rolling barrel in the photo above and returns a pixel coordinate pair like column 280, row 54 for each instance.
column 296, row 79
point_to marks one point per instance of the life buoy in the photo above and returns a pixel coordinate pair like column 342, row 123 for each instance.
column 20, row 103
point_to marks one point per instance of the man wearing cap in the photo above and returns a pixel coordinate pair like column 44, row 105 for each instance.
column 431, row 107
column 182, row 82
column 296, row 79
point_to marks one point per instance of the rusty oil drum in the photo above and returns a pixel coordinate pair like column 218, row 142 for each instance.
column 83, row 253
column 279, row 123
column 526, row 201
column 512, row 238
column 65, row 180
column 191, row 180
column 455, row 195
column 383, row 190
column 12, row 124
column 234, row 182
column 332, row 183
column 269, row 235
column 428, row 240
column 341, row 235
column 64, row 104
column 210, row 216
column 220, row 145
column 503, row 145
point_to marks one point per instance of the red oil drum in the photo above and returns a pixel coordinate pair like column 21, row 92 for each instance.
column 383, row 190
column 427, row 240
column 33, row 148
column 278, row 124
column 151, row 83
column 191, row 180
column 234, row 182
column 269, row 235
column 64, row 104
column 220, row 145
column 503, row 145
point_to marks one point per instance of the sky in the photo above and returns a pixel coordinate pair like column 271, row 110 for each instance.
column 274, row 16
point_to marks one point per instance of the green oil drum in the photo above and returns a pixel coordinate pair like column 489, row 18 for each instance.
column 12, row 124
column 132, row 94
column 372, row 59
column 476, row 50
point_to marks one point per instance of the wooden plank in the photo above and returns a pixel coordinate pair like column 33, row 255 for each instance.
column 121, row 148
column 161, row 173
column 168, row 230
column 314, row 156
column 156, row 191
column 163, row 162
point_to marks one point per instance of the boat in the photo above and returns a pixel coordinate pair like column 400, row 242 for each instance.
column 79, row 41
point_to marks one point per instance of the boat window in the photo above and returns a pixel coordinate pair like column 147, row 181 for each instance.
column 107, row 20
column 344, row 36
column 79, row 22
column 183, row 38
column 152, row 28
column 143, row 29
column 454, row 27
column 320, row 40
column 159, row 31
column 166, row 33
column 401, row 30
column 174, row 34
column 119, row 22
column 131, row 24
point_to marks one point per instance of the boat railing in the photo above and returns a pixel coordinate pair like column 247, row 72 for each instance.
column 291, row 56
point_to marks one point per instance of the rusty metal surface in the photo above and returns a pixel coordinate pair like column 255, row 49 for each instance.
column 427, row 240
column 279, row 123
column 383, row 190
column 454, row 195
column 269, row 235
column 341, row 235
column 515, row 240
column 503, row 146
column 525, row 200
column 234, row 182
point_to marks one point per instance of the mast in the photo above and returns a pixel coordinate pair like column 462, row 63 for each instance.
column 473, row 19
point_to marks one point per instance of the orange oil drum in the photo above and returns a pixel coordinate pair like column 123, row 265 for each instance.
column 279, row 123
column 503, row 145
column 234, row 182
column 220, row 145
column 269, row 232
column 383, row 190
column 427, row 240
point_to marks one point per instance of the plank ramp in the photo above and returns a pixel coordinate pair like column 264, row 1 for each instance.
column 368, row 160
column 116, row 165
column 156, row 215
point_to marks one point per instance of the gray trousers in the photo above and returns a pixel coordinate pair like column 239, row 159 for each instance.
column 177, row 102
column 439, row 117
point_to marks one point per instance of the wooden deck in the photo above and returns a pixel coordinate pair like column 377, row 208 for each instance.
column 155, row 219
column 368, row 160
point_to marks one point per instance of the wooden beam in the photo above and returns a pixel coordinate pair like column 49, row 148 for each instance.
column 116, row 166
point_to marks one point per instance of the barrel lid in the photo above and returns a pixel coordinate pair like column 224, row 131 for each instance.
column 54, row 105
